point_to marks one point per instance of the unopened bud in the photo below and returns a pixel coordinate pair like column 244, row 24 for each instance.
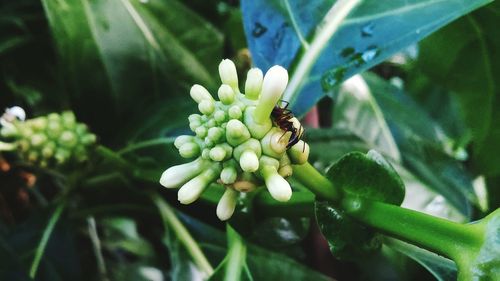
column 226, row 94
column 299, row 152
column 227, row 204
column 199, row 93
column 180, row 140
column 228, row 175
column 278, row 187
column 206, row 107
column 228, row 74
column 236, row 132
column 253, row 84
column 192, row 190
column 189, row 150
column 274, row 142
column 273, row 86
column 178, row 175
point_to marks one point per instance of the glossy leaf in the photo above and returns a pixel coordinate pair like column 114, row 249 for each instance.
column 372, row 33
column 347, row 238
column 423, row 145
column 368, row 176
column 468, row 68
column 135, row 54
column 442, row 268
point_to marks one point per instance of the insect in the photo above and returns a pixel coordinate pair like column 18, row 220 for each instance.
column 284, row 119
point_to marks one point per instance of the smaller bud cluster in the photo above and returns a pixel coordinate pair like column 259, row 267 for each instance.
column 235, row 141
column 48, row 141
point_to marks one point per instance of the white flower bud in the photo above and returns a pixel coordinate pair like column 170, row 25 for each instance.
column 206, row 107
column 217, row 153
column 192, row 190
column 199, row 93
column 227, row 204
column 180, row 140
column 194, row 117
column 226, row 94
column 201, row 132
column 274, row 85
column 278, row 187
column 228, row 175
column 193, row 125
column 189, row 150
column 178, row 175
column 274, row 142
column 215, row 134
column 299, row 152
column 220, row 116
column 236, row 132
column 253, row 84
column 228, row 74
column 249, row 162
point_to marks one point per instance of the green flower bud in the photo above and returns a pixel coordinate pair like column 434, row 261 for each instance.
column 193, row 125
column 199, row 93
column 220, row 116
column 228, row 74
column 228, row 175
column 227, row 204
column 257, row 130
column 249, row 162
column 215, row 134
column 253, row 84
column 189, row 150
column 201, row 132
column 217, row 153
column 68, row 139
column 299, row 153
column 180, row 140
column 194, row 117
column 38, row 139
column 205, row 153
column 236, row 132
column 226, row 94
column 206, row 107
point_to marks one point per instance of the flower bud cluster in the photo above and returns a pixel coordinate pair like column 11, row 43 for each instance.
column 235, row 142
column 48, row 141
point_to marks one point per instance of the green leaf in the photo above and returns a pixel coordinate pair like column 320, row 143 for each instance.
column 469, row 69
column 347, row 238
column 442, row 268
column 356, row 110
column 135, row 54
column 369, row 176
column 423, row 144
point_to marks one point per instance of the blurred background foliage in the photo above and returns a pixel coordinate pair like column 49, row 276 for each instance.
column 125, row 67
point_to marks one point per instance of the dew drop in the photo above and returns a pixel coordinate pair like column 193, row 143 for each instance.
column 332, row 78
column 370, row 53
column 367, row 30
column 258, row 30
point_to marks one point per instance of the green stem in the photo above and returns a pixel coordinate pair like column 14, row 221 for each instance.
column 236, row 255
column 316, row 182
column 45, row 239
column 300, row 205
column 96, row 244
column 145, row 144
column 183, row 235
column 439, row 235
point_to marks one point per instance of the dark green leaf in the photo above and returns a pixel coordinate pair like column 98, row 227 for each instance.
column 368, row 176
column 469, row 68
column 443, row 269
column 347, row 238
column 134, row 54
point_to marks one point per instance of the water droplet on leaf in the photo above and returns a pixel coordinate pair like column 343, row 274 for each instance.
column 258, row 30
column 332, row 78
column 367, row 29
column 370, row 53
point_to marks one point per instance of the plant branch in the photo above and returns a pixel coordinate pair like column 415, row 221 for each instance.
column 316, row 182
column 439, row 235
column 236, row 255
